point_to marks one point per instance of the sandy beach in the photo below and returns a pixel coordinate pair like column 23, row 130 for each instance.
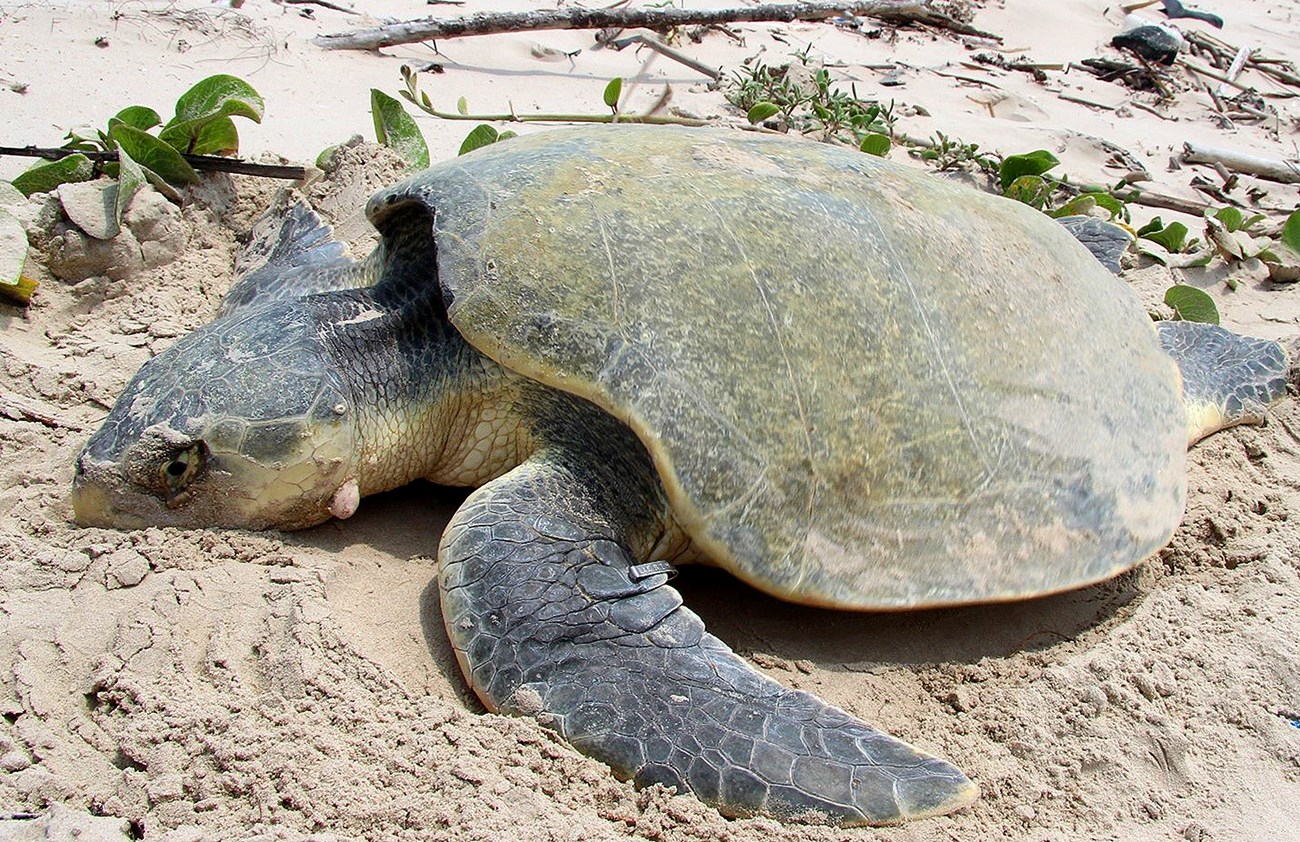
column 182, row 685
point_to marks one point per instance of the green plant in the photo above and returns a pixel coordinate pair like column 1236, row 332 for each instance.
column 949, row 153
column 202, row 125
column 482, row 135
column 1191, row 304
column 1235, row 235
column 1088, row 203
column 397, row 130
column 814, row 105
column 411, row 93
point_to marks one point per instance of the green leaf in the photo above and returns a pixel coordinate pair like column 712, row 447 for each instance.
column 1232, row 218
column 220, row 95
column 613, row 91
column 1082, row 205
column 1191, row 304
column 139, row 116
column 1030, row 163
column 1085, row 203
column 1151, row 227
column 130, row 178
column 169, row 193
column 72, row 140
column 217, row 97
column 762, row 111
column 1112, row 205
column 481, row 135
column 13, row 249
column 154, row 154
column 45, row 176
column 876, row 144
column 1033, row 190
column 462, row 106
column 397, row 130
column 1291, row 232
column 324, row 157
column 1173, row 237
column 217, row 136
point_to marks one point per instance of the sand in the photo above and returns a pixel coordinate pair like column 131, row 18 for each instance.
column 230, row 685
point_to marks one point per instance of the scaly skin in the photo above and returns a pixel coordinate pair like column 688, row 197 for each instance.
column 542, row 596
column 550, row 617
column 288, row 410
column 1228, row 379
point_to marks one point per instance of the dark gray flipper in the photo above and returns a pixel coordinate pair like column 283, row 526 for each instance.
column 551, row 617
column 292, row 253
column 1106, row 240
column 1228, row 379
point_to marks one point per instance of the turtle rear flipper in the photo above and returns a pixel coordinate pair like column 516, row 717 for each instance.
column 292, row 253
column 551, row 617
column 1228, row 379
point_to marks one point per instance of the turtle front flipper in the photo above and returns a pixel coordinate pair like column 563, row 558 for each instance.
column 1228, row 379
column 552, row 617
column 292, row 253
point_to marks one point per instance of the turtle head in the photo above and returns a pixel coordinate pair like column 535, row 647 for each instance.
column 247, row 422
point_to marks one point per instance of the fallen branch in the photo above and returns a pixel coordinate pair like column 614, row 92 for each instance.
column 1286, row 172
column 714, row 73
column 487, row 23
column 1159, row 200
column 207, row 163
column 1212, row 74
column 323, row 3
column 1088, row 102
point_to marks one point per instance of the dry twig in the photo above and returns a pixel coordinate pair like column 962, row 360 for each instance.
column 486, row 23
column 1286, row 172
column 206, row 163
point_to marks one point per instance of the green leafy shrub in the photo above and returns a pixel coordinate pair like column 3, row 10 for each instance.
column 202, row 125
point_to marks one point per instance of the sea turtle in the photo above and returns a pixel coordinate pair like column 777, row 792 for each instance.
column 848, row 382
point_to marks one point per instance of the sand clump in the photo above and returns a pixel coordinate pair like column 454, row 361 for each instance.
column 190, row 685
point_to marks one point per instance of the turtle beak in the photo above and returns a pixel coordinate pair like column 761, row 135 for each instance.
column 91, row 504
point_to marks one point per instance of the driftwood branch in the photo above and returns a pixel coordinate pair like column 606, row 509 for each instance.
column 487, row 23
column 1286, row 172
column 653, row 43
column 205, row 163
column 1160, row 200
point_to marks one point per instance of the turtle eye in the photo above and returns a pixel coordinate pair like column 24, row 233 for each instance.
column 182, row 468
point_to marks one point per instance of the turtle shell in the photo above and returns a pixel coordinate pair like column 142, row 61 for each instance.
column 863, row 386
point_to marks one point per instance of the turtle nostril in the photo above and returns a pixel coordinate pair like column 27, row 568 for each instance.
column 80, row 470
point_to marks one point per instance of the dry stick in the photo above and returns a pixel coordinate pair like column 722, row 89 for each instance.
column 1286, row 172
column 1159, row 200
column 1205, row 71
column 1082, row 101
column 663, row 49
column 207, row 163
column 1263, row 64
column 1234, row 69
column 1267, row 68
column 486, row 23
column 1144, row 107
column 323, row 3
